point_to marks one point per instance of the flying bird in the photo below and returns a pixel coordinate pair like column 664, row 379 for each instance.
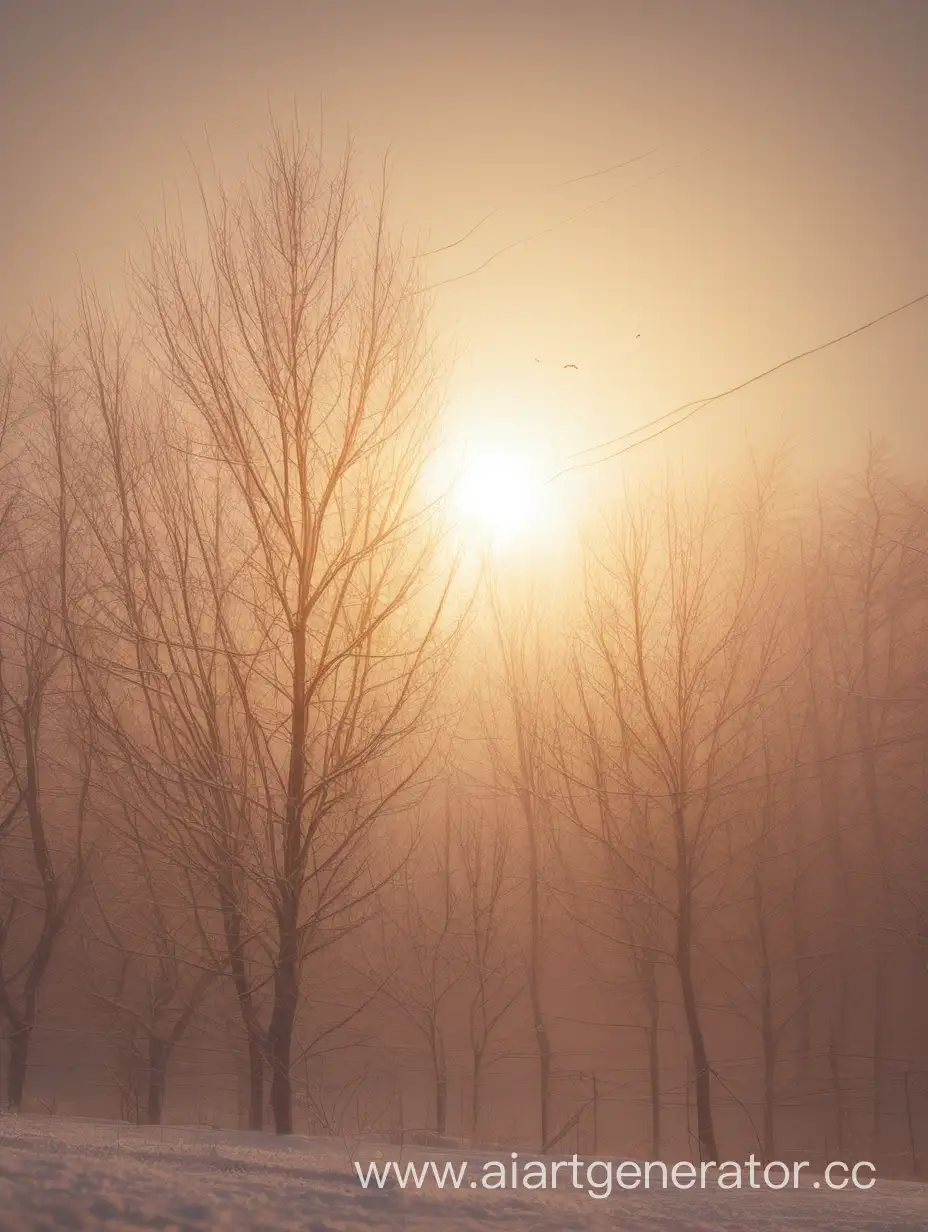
column 570, row 365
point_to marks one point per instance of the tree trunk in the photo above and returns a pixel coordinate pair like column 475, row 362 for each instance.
column 440, row 1073
column 475, row 1093
column 283, row 1017
column 767, row 1025
column 870, row 728
column 542, row 1039
column 654, row 1059
column 830, row 805
column 255, row 1084
column 19, row 1040
column 158, row 1054
column 527, row 782
column 238, row 971
column 287, row 973
column 544, row 1068
column 704, row 1127
column 281, row 1035
column 441, row 1095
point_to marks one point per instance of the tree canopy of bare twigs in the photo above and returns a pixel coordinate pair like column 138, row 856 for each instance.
column 268, row 561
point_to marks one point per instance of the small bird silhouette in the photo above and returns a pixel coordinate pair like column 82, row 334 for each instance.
column 570, row 365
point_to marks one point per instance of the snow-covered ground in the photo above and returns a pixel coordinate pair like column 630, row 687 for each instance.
column 58, row 1174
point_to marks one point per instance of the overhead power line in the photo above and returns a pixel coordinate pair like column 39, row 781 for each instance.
column 679, row 415
column 540, row 234
column 577, row 179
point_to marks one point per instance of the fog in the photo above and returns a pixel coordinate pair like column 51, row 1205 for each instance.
column 328, row 807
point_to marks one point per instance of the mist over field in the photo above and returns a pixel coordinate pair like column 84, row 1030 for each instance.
column 463, row 614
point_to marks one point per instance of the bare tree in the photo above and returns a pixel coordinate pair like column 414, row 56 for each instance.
column 418, row 965
column 277, row 605
column 677, row 649
column 774, row 965
column 46, row 752
column 517, row 741
column 865, row 602
column 149, row 920
column 615, row 888
column 487, row 908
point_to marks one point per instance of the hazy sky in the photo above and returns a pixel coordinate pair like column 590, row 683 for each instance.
column 784, row 202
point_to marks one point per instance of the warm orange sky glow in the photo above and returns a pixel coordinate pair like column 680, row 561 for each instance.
column 776, row 201
column 463, row 611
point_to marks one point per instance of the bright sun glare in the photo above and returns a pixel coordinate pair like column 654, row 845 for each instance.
column 500, row 493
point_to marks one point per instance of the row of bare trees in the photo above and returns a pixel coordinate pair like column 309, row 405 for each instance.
column 272, row 794
column 735, row 737
column 223, row 563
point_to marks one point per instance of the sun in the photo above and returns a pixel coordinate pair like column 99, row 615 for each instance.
column 491, row 474
column 499, row 493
